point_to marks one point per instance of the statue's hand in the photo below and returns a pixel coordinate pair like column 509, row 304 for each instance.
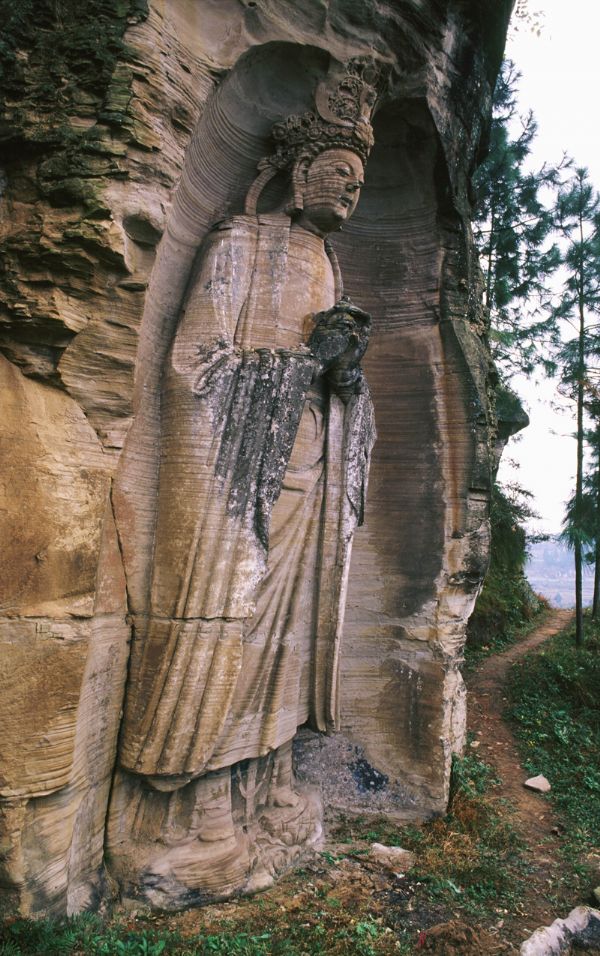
column 339, row 341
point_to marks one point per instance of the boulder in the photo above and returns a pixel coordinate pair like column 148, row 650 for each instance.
column 581, row 927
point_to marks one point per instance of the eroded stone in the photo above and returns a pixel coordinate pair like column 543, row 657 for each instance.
column 99, row 248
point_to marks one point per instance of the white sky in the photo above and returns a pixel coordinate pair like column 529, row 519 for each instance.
column 561, row 84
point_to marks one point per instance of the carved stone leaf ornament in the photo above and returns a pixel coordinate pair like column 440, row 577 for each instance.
column 204, row 655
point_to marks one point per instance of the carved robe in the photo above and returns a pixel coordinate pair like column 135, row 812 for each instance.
column 262, row 481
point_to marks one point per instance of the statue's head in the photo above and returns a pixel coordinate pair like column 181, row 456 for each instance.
column 325, row 150
column 326, row 188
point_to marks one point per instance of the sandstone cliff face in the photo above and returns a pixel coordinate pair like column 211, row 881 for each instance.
column 126, row 132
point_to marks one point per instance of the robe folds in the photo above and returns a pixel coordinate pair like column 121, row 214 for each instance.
column 262, row 481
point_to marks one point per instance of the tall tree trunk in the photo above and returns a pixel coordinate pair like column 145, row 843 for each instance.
column 490, row 256
column 596, row 601
column 579, row 637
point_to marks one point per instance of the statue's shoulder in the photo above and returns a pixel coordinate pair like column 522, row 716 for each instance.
column 239, row 223
column 243, row 223
column 231, row 236
column 238, row 235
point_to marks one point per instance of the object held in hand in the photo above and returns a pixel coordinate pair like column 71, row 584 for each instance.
column 339, row 341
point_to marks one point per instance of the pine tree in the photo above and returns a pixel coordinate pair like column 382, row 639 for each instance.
column 577, row 216
column 593, row 489
column 583, row 522
column 525, row 18
column 513, row 230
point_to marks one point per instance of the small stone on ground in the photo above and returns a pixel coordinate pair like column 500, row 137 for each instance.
column 395, row 858
column 539, row 784
column 457, row 939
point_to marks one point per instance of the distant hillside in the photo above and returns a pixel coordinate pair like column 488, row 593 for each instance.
column 550, row 571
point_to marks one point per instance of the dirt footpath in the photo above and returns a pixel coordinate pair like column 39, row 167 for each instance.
column 534, row 819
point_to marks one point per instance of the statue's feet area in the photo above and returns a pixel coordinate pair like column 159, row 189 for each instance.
column 283, row 836
column 191, row 873
column 159, row 857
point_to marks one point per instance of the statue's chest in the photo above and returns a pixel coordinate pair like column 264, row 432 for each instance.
column 289, row 285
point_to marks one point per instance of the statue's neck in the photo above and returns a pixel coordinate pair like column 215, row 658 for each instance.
column 309, row 226
column 307, row 237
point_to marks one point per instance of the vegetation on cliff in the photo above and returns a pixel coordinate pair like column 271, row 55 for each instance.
column 57, row 56
column 507, row 605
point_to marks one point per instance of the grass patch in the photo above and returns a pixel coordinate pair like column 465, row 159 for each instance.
column 324, row 926
column 469, row 863
column 470, row 858
column 81, row 934
column 554, row 704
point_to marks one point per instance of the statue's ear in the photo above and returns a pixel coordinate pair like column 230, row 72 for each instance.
column 302, row 168
column 299, row 177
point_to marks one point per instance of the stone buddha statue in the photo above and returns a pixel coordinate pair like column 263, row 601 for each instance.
column 266, row 432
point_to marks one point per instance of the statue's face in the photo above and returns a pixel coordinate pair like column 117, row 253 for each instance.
column 331, row 187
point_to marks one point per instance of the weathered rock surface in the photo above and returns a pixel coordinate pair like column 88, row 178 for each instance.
column 105, row 115
column 581, row 928
column 63, row 641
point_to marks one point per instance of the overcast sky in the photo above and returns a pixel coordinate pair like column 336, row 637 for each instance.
column 561, row 84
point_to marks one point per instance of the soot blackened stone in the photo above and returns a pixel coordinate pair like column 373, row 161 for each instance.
column 368, row 779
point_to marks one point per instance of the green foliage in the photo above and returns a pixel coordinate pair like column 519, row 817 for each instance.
column 85, row 933
column 577, row 219
column 510, row 507
column 513, row 231
column 554, row 702
column 90, row 935
column 581, row 524
column 471, row 777
column 507, row 605
column 582, row 521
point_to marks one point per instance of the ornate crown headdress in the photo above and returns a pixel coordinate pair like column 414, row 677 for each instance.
column 344, row 102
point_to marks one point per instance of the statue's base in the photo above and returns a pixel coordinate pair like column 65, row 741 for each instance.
column 228, row 833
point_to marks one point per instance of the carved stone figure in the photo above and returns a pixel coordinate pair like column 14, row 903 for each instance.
column 99, row 232
column 267, row 427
